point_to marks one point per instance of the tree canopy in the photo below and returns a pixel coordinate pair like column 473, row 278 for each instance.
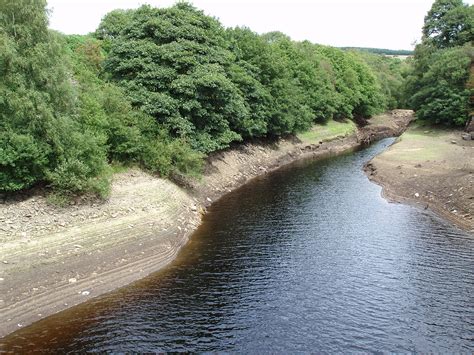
column 449, row 23
column 159, row 87
column 212, row 86
column 60, row 123
column 438, row 86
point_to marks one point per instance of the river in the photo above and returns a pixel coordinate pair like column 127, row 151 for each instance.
column 310, row 258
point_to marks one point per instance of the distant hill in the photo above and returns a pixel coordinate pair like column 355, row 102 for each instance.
column 381, row 50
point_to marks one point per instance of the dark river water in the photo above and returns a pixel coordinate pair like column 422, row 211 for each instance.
column 308, row 259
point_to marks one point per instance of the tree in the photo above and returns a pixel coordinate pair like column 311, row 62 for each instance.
column 173, row 64
column 442, row 95
column 437, row 88
column 40, row 139
column 449, row 23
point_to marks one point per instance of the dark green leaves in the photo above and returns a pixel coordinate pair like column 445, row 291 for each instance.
column 438, row 86
column 449, row 23
column 154, row 88
column 212, row 86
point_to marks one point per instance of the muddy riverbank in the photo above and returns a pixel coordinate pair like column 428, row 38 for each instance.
column 429, row 168
column 53, row 258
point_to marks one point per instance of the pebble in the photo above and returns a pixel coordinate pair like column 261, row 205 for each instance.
column 85, row 293
column 72, row 280
column 417, row 194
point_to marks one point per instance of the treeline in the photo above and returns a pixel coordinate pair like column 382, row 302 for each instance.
column 160, row 88
column 383, row 51
column 441, row 83
column 213, row 86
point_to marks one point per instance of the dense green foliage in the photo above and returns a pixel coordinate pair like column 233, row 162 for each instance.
column 212, row 86
column 391, row 74
column 449, row 23
column 384, row 51
column 130, row 135
column 59, row 122
column 159, row 87
column 40, row 136
column 438, row 87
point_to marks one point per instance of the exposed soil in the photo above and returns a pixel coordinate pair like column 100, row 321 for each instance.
column 52, row 258
column 430, row 168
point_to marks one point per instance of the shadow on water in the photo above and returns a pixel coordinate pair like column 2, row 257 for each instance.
column 309, row 258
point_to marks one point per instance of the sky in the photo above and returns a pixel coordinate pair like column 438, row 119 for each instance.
column 393, row 24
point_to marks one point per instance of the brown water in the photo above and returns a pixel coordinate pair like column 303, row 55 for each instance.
column 307, row 259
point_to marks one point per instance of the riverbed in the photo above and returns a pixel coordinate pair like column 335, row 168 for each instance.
column 308, row 258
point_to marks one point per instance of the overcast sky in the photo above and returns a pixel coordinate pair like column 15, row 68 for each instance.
column 394, row 24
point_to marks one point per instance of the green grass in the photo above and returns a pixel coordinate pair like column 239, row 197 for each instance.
column 421, row 143
column 119, row 167
column 327, row 132
column 58, row 199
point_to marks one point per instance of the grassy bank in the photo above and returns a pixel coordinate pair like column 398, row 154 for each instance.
column 328, row 131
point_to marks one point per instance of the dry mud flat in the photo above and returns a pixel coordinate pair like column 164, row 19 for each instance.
column 53, row 258
column 432, row 169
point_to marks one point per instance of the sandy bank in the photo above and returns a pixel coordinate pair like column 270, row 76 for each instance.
column 52, row 258
column 432, row 169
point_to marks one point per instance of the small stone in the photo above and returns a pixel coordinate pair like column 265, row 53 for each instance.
column 417, row 194
column 208, row 199
column 453, row 142
column 85, row 293
column 5, row 262
column 72, row 280
column 193, row 208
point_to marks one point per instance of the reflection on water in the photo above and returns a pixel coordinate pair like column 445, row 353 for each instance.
column 309, row 258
